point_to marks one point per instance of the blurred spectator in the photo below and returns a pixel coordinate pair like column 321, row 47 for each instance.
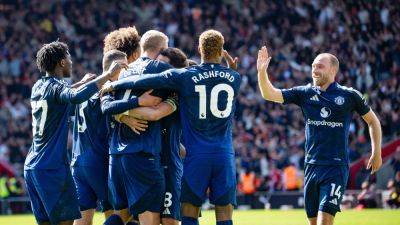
column 395, row 161
column 291, row 178
column 364, row 175
column 4, row 191
column 248, row 184
column 368, row 196
column 394, row 187
column 275, row 178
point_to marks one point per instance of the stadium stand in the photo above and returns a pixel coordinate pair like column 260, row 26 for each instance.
column 268, row 137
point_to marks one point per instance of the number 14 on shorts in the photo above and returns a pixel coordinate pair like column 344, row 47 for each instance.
column 335, row 192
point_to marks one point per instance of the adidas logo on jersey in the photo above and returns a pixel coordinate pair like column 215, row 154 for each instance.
column 166, row 212
column 333, row 201
column 314, row 98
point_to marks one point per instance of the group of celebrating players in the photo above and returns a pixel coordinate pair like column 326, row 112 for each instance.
column 152, row 135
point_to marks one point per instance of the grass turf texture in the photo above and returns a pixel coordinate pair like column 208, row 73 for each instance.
column 262, row 217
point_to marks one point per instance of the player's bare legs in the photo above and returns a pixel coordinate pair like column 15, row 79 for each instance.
column 223, row 213
column 149, row 218
column 190, row 214
column 312, row 221
column 169, row 221
column 325, row 218
column 68, row 222
column 86, row 219
column 190, row 210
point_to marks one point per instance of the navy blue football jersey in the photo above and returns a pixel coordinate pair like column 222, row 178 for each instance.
column 207, row 99
column 90, row 134
column 327, row 117
column 123, row 139
column 170, row 138
column 51, row 100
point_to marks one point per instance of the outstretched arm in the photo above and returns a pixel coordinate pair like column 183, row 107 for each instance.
column 65, row 94
column 166, row 80
column 268, row 91
column 375, row 133
column 112, row 107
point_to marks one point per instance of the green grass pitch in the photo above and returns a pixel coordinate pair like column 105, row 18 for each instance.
column 263, row 217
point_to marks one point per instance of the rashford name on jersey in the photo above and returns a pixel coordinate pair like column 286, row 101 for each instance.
column 213, row 74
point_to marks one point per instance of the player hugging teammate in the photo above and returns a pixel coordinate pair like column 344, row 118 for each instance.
column 127, row 144
column 129, row 136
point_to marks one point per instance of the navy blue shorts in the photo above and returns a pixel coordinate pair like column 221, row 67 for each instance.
column 92, row 188
column 136, row 181
column 216, row 172
column 53, row 195
column 172, row 206
column 323, row 188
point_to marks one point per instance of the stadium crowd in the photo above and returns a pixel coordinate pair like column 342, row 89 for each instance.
column 268, row 138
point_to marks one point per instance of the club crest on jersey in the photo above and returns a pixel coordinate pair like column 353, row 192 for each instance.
column 339, row 100
column 325, row 112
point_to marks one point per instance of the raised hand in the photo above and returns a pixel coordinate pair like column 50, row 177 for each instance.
column 232, row 63
column 115, row 68
column 263, row 59
column 146, row 99
column 88, row 77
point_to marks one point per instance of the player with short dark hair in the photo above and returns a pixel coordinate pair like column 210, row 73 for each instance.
column 90, row 148
column 173, row 56
column 170, row 138
column 127, row 40
column 207, row 103
column 327, row 108
column 47, row 173
column 136, row 176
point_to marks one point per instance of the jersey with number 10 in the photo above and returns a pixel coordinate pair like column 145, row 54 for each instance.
column 207, row 97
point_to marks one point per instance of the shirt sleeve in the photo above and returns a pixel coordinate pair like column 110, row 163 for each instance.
column 65, row 94
column 293, row 95
column 360, row 103
column 166, row 80
column 110, row 106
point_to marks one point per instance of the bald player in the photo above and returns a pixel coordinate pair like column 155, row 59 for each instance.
column 327, row 108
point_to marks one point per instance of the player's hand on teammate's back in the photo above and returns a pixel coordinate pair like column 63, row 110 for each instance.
column 374, row 163
column 88, row 77
column 263, row 59
column 146, row 99
column 116, row 67
column 106, row 88
column 135, row 124
column 232, row 63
